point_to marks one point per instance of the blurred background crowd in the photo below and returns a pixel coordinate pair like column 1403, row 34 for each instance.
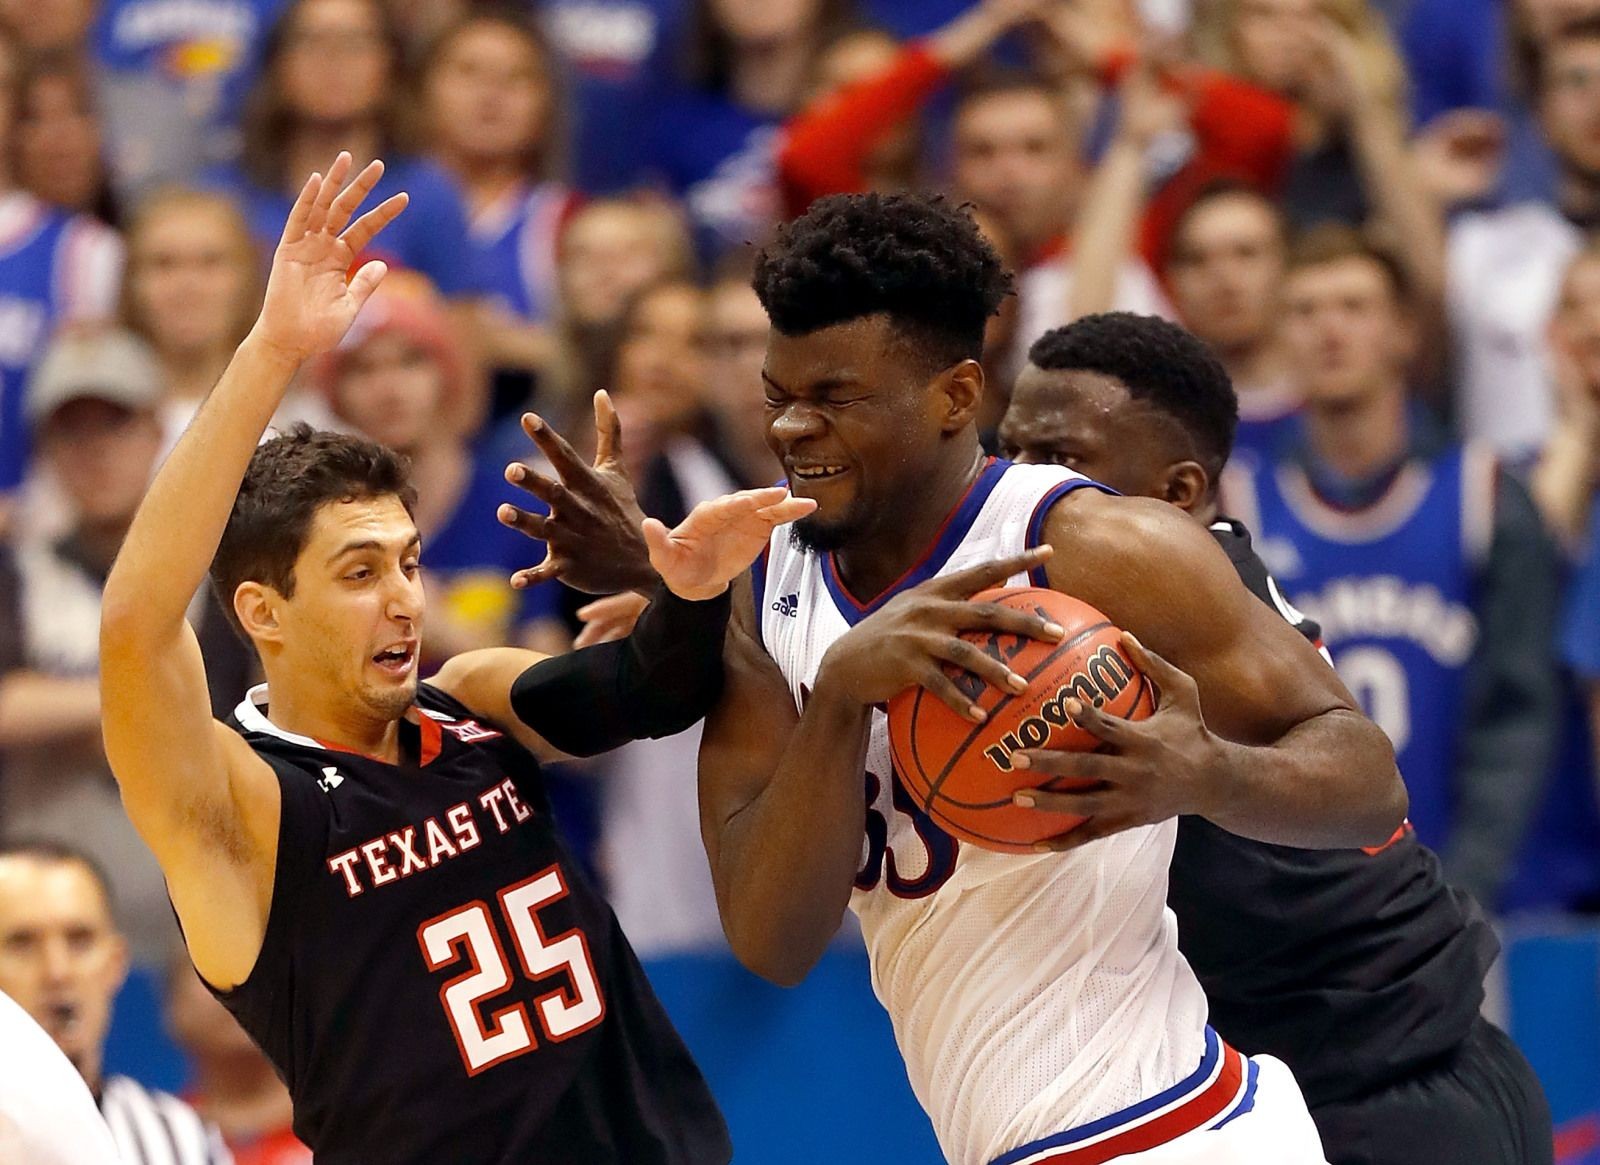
column 1380, row 213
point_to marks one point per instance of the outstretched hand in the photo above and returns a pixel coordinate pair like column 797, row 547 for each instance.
column 1145, row 771
column 699, row 557
column 311, row 298
column 591, row 534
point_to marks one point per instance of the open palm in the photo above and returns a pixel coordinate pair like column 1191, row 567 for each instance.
column 719, row 539
column 311, row 297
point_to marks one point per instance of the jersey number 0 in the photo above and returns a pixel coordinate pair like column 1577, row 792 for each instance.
column 468, row 932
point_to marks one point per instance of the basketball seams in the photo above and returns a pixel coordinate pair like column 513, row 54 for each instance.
column 1005, row 701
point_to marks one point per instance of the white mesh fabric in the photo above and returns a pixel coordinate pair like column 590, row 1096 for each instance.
column 1029, row 994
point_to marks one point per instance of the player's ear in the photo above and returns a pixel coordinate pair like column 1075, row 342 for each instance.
column 963, row 394
column 1186, row 486
column 256, row 605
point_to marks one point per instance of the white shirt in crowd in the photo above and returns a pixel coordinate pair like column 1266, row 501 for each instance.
column 1504, row 276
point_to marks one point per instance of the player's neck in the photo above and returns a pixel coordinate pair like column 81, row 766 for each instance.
column 876, row 560
column 1359, row 438
column 306, row 713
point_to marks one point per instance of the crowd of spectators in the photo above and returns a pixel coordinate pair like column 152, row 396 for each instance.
column 1380, row 213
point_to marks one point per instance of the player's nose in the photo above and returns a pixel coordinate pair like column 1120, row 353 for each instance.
column 795, row 422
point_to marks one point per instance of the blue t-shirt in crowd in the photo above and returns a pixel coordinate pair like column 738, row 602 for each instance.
column 469, row 560
column 516, row 243
column 721, row 160
column 175, row 75
column 430, row 237
column 1580, row 633
column 619, row 57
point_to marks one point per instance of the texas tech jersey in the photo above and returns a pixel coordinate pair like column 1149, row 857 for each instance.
column 1352, row 966
column 438, row 982
column 1030, row 995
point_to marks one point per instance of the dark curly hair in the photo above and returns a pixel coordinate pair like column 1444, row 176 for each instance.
column 290, row 477
column 1159, row 363
column 917, row 258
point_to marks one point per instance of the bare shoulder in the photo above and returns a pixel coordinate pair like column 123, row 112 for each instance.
column 1108, row 545
column 482, row 679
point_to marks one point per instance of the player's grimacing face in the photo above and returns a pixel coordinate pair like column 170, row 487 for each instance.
column 354, row 622
column 1087, row 422
column 61, row 957
column 850, row 421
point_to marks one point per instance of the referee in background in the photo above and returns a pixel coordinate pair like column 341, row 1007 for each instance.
column 63, row 960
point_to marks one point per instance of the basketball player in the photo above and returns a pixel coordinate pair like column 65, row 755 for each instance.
column 1361, row 969
column 364, row 866
column 1040, row 1002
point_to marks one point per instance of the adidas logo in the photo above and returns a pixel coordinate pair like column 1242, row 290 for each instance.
column 788, row 605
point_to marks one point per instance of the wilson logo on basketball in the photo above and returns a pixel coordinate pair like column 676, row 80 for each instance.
column 1105, row 674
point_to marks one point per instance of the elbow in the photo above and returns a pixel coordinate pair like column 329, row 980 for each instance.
column 1388, row 798
column 785, row 963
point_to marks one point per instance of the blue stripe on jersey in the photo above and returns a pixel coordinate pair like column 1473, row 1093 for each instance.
column 1037, row 576
column 1189, row 1083
column 950, row 536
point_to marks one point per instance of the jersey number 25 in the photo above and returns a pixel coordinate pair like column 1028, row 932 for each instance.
column 468, row 932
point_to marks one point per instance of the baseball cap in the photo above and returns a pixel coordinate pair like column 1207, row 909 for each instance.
column 111, row 365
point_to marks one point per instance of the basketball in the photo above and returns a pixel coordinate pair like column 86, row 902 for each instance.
column 960, row 773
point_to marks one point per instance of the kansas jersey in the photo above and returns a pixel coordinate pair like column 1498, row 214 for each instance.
column 1394, row 586
column 53, row 266
column 438, row 982
column 515, row 237
column 1029, row 994
column 1355, row 967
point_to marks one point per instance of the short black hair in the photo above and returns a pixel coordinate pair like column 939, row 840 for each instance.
column 919, row 259
column 1158, row 362
column 289, row 478
column 49, row 851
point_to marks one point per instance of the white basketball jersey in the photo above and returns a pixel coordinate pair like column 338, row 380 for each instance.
column 1029, row 994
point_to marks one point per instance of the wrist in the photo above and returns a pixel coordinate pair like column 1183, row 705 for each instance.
column 261, row 349
column 1216, row 791
column 689, row 594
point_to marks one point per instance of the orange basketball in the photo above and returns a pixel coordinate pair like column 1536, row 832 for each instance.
column 960, row 773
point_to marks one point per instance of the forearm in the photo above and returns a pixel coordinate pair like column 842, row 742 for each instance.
column 660, row 680
column 37, row 709
column 1330, row 782
column 785, row 862
column 1107, row 228
column 175, row 533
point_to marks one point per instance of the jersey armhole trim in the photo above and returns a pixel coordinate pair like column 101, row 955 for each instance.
column 1041, row 511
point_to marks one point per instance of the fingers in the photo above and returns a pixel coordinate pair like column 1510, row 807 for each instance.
column 969, row 616
column 317, row 218
column 366, row 280
column 345, row 203
column 1054, row 763
column 967, row 582
column 980, row 663
column 556, row 449
column 295, row 226
column 367, row 227
column 657, row 540
column 1173, row 684
column 522, row 521
column 546, row 489
column 788, row 510
column 607, row 430
column 1085, row 802
column 1091, row 830
column 943, row 687
column 546, row 571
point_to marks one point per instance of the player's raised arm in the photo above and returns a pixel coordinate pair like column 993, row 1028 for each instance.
column 1254, row 730
column 781, row 806
column 205, row 804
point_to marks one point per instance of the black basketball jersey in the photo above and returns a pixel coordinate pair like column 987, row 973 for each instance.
column 1354, row 967
column 438, row 982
